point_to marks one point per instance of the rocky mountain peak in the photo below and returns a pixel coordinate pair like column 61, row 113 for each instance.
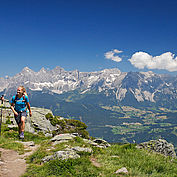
column 26, row 70
column 112, row 70
column 58, row 69
column 42, row 70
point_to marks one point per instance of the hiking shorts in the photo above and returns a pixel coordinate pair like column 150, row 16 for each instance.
column 20, row 114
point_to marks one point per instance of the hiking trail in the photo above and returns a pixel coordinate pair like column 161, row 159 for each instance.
column 11, row 163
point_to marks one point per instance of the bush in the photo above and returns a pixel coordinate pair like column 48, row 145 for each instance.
column 83, row 133
column 48, row 116
column 53, row 121
column 8, row 121
column 76, row 123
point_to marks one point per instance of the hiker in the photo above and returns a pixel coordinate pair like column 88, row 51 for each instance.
column 2, row 99
column 19, row 103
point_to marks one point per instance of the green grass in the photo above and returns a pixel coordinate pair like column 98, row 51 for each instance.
column 138, row 162
column 9, row 137
column 40, row 153
column 72, row 167
column 10, row 144
column 28, row 136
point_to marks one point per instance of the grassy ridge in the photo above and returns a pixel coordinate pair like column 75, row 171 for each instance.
column 139, row 163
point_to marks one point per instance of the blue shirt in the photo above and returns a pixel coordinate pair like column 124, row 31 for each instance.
column 20, row 104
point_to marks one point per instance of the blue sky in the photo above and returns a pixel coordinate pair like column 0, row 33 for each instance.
column 88, row 35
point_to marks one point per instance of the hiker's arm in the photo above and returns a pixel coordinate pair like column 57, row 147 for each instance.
column 29, row 108
column 12, row 107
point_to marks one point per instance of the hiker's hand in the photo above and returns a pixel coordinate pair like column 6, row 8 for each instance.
column 16, row 113
column 30, row 114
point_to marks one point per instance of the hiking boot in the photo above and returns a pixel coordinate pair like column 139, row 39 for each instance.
column 22, row 135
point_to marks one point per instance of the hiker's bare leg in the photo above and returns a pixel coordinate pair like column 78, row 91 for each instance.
column 22, row 127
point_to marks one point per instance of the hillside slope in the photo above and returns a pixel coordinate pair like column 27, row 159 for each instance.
column 77, row 154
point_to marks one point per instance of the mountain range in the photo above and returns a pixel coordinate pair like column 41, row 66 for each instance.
column 117, row 106
column 143, row 87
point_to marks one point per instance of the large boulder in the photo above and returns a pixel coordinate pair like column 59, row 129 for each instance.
column 160, row 146
column 38, row 121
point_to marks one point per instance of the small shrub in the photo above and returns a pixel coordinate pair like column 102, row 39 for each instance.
column 76, row 123
column 36, row 157
column 8, row 121
column 78, row 139
column 48, row 116
column 83, row 133
column 53, row 121
column 62, row 123
column 40, row 133
column 59, row 167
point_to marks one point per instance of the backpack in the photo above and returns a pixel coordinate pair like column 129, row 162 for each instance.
column 22, row 100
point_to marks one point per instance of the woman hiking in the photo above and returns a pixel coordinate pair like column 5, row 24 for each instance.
column 19, row 103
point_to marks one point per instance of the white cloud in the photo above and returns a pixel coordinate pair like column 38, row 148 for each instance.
column 111, row 55
column 117, row 51
column 165, row 61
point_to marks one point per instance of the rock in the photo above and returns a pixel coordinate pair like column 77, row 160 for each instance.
column 12, row 126
column 98, row 143
column 62, row 137
column 61, row 155
column 48, row 158
column 75, row 134
column 48, row 135
column 1, row 162
column 29, row 126
column 80, row 149
column 122, row 170
column 29, row 143
column 160, row 146
column 38, row 121
column 102, row 142
column 66, row 155
column 58, row 142
column 90, row 142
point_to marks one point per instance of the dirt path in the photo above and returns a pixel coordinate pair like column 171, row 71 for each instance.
column 11, row 163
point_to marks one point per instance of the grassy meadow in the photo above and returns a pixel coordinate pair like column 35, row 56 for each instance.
column 101, row 162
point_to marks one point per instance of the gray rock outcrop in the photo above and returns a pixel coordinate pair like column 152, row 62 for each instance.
column 63, row 155
column 73, row 152
column 68, row 153
column 160, row 146
column 38, row 121
column 102, row 143
column 98, row 143
column 62, row 138
column 80, row 149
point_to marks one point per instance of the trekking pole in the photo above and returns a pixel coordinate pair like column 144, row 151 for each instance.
column 0, row 121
